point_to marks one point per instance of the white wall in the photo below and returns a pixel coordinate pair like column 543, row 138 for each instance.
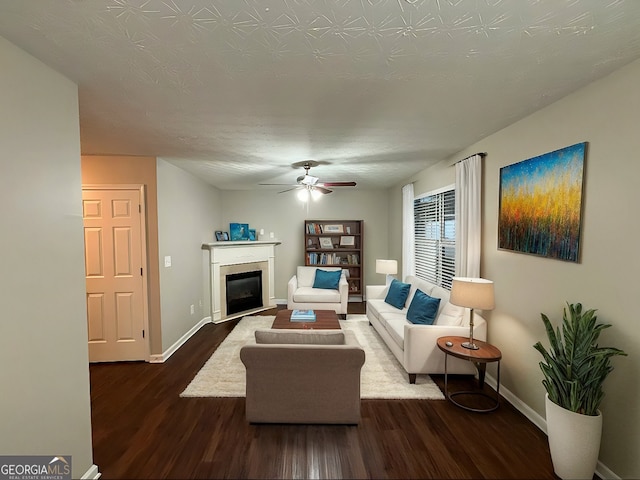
column 188, row 214
column 44, row 405
column 284, row 215
column 606, row 114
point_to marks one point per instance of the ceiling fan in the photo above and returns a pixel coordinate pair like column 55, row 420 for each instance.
column 309, row 184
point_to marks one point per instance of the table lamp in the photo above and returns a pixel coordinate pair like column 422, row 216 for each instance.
column 388, row 267
column 472, row 293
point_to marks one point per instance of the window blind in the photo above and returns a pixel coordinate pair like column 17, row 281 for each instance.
column 435, row 237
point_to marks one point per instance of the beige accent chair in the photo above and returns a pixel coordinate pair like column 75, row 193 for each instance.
column 302, row 296
column 303, row 376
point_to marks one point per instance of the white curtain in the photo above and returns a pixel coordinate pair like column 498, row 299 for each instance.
column 408, row 232
column 468, row 216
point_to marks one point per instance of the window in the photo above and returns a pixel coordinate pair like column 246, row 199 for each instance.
column 435, row 236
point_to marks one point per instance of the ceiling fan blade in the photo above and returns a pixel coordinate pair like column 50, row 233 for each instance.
column 312, row 183
column 338, row 184
column 281, row 184
column 289, row 189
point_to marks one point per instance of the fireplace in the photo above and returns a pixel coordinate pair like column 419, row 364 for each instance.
column 244, row 291
column 241, row 261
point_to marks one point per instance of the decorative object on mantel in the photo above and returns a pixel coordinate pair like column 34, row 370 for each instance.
column 472, row 293
column 222, row 236
column 574, row 370
column 239, row 231
column 541, row 204
column 252, row 234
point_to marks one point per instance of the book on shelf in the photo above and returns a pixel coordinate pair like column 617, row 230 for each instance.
column 332, row 259
column 314, row 228
column 303, row 316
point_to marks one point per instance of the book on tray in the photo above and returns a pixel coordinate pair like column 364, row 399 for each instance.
column 303, row 316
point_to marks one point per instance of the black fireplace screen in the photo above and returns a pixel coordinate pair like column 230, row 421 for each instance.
column 244, row 291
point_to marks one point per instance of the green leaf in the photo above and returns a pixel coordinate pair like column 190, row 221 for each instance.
column 575, row 367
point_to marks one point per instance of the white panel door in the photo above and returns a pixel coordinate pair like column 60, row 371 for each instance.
column 113, row 264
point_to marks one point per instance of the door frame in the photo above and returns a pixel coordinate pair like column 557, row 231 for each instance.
column 143, row 241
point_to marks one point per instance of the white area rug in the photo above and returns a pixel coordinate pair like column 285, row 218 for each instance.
column 382, row 376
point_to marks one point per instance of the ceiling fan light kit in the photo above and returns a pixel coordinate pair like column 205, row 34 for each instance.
column 303, row 195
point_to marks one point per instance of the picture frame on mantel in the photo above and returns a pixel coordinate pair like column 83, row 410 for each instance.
column 540, row 210
column 239, row 231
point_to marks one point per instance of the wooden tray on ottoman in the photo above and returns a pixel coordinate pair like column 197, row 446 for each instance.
column 325, row 320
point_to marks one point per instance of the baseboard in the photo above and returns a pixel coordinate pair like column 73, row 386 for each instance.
column 602, row 470
column 522, row 407
column 181, row 341
column 161, row 358
column 245, row 313
column 92, row 473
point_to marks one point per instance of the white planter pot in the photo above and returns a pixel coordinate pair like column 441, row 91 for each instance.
column 574, row 441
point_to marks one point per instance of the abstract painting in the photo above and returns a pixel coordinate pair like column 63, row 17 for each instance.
column 541, row 204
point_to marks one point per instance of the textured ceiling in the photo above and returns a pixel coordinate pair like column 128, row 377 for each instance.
column 236, row 91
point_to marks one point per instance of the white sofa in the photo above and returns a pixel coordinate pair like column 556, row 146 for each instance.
column 301, row 294
column 415, row 345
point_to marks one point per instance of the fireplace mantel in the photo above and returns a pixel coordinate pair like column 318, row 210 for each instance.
column 231, row 256
column 243, row 243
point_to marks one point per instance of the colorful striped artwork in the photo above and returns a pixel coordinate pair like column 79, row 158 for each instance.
column 541, row 204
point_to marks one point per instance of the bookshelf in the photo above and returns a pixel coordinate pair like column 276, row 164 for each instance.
column 337, row 243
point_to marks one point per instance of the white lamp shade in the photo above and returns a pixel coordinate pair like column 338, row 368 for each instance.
column 390, row 267
column 472, row 293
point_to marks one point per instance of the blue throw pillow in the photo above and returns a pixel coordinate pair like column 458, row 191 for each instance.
column 398, row 293
column 423, row 308
column 326, row 279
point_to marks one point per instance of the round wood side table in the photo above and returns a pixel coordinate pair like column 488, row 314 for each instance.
column 486, row 353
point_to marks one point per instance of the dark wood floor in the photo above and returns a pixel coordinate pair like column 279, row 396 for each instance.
column 143, row 429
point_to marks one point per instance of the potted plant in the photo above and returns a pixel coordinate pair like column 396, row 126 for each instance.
column 574, row 369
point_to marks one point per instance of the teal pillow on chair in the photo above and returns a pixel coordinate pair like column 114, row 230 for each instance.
column 326, row 279
column 423, row 308
column 398, row 293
